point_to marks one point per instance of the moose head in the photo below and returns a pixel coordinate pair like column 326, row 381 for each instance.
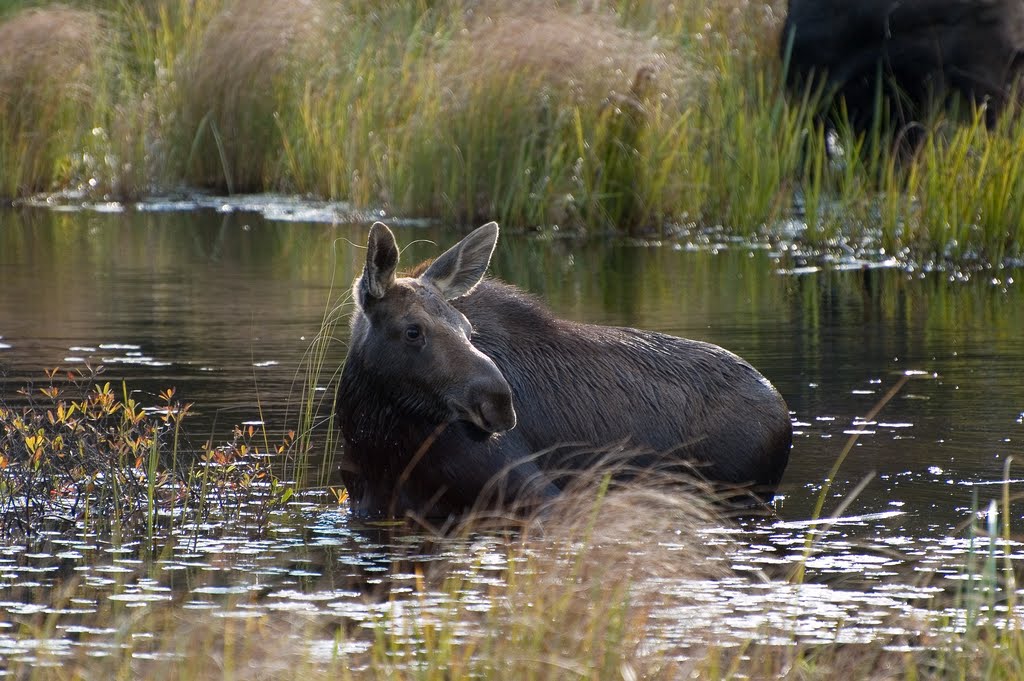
column 409, row 335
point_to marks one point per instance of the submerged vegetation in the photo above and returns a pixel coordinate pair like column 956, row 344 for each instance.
column 634, row 116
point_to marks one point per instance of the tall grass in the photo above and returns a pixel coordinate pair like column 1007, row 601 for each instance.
column 249, row 64
column 466, row 111
column 46, row 60
column 317, row 410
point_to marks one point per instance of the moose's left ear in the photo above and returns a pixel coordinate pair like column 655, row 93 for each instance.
column 381, row 261
column 461, row 267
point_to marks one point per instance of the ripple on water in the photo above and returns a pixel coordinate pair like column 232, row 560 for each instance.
column 139, row 598
column 860, row 578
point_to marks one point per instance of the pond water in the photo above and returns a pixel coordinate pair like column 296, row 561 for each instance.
column 221, row 300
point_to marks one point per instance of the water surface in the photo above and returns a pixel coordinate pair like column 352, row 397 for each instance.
column 222, row 301
column 223, row 304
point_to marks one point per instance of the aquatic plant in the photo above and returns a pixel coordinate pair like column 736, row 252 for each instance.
column 78, row 452
column 592, row 590
column 566, row 594
column 317, row 410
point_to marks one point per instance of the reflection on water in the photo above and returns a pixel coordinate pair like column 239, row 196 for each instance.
column 223, row 305
column 316, row 564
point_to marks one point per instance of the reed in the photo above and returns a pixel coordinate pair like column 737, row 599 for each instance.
column 47, row 60
column 245, row 68
column 522, row 113
column 574, row 594
column 316, row 410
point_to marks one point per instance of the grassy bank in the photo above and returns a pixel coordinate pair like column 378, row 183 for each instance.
column 628, row 116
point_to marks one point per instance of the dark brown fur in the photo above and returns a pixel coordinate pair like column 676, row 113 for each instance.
column 924, row 50
column 577, row 389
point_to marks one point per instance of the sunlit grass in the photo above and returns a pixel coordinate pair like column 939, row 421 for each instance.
column 473, row 111
column 46, row 58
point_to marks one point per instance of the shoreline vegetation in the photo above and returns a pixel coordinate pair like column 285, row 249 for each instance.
column 636, row 117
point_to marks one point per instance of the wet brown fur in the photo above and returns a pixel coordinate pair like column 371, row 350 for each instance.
column 584, row 396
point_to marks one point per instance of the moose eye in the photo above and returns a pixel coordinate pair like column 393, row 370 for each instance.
column 413, row 333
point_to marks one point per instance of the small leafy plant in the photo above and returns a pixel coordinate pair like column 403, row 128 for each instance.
column 76, row 450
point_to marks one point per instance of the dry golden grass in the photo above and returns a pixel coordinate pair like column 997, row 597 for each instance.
column 572, row 593
column 235, row 83
column 632, row 537
column 48, row 58
column 577, row 53
column 585, row 583
column 47, row 52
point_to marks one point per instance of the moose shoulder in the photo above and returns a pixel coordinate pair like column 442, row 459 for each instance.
column 456, row 387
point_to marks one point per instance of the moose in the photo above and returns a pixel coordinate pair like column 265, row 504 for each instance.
column 912, row 53
column 458, row 387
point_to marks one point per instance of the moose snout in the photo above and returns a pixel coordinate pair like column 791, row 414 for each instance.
column 488, row 405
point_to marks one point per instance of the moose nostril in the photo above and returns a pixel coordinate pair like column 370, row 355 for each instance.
column 497, row 413
column 489, row 406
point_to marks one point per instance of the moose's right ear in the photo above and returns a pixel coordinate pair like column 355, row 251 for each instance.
column 381, row 262
column 461, row 267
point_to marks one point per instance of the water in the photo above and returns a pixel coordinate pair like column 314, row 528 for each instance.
column 222, row 301
column 223, row 306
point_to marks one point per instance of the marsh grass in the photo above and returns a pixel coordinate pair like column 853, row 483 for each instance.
column 470, row 111
column 47, row 57
column 565, row 596
column 579, row 589
column 246, row 68
column 320, row 377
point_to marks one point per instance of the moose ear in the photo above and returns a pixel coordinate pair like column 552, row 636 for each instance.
column 461, row 267
column 381, row 261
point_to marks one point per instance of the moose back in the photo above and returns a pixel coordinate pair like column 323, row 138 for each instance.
column 460, row 391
